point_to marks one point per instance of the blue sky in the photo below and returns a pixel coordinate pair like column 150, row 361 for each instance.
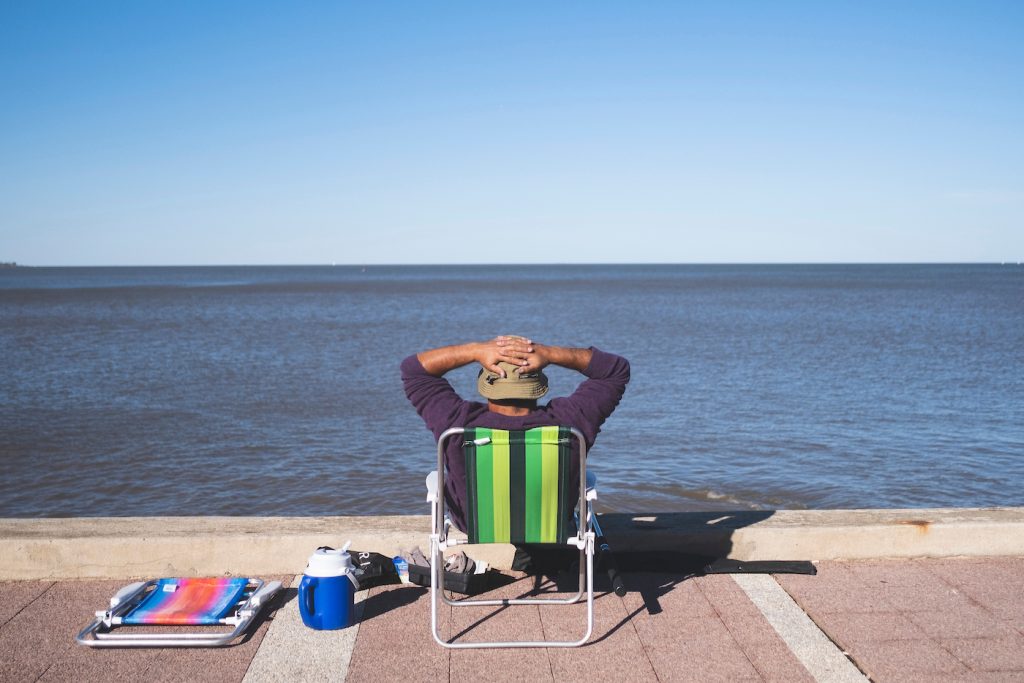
column 223, row 133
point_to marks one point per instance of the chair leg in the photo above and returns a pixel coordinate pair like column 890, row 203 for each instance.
column 436, row 567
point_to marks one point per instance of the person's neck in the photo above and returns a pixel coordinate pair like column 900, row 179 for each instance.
column 510, row 409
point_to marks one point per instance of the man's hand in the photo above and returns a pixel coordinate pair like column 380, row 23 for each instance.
column 535, row 361
column 507, row 348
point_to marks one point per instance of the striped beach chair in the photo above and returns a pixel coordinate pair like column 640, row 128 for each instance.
column 520, row 490
column 202, row 603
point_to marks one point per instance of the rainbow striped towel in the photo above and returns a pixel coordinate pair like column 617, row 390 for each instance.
column 188, row 602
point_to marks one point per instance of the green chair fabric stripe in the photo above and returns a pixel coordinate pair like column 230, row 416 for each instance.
column 500, row 489
column 534, row 476
column 549, row 487
column 485, row 488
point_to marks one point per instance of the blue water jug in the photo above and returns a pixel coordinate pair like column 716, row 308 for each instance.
column 327, row 590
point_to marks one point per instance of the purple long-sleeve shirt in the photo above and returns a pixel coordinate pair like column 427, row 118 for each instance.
column 441, row 407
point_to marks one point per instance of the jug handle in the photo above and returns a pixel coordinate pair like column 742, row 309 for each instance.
column 306, row 589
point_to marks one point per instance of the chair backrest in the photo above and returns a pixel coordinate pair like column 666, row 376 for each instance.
column 519, row 485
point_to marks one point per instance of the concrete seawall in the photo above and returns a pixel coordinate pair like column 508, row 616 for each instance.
column 129, row 547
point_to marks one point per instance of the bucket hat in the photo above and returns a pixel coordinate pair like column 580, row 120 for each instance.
column 513, row 385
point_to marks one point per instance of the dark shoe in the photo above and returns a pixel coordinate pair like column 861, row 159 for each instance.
column 521, row 561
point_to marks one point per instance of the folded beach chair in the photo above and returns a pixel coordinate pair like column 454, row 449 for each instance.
column 519, row 491
column 198, row 611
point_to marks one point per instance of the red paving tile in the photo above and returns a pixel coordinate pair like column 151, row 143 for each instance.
column 708, row 654
column 750, row 630
column 1011, row 613
column 478, row 624
column 994, row 677
column 16, row 595
column 80, row 664
column 707, row 629
column 762, row 645
column 614, row 652
column 972, row 621
column 904, row 574
column 940, row 619
column 834, row 589
column 994, row 584
column 896, row 660
column 40, row 635
column 1002, row 600
column 687, row 640
column 970, row 570
column 869, row 626
column 988, row 654
column 931, row 598
column 776, row 663
column 667, row 593
column 935, row 677
column 394, row 641
column 726, row 597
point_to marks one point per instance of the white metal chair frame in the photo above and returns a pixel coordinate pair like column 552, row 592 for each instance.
column 439, row 542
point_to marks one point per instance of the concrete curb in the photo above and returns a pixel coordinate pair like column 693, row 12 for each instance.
column 825, row 534
column 129, row 547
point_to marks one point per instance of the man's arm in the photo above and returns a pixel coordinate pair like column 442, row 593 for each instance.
column 544, row 355
column 597, row 396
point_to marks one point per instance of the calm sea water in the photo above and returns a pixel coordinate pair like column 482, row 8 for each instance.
column 275, row 390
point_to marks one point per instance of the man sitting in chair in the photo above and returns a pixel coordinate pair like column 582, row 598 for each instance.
column 511, row 379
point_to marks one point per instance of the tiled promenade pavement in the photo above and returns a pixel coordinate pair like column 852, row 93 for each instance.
column 923, row 620
column 699, row 629
column 899, row 620
column 40, row 619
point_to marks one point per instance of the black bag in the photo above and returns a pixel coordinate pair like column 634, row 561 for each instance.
column 373, row 569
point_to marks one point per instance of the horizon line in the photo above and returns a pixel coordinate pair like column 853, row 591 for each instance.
column 14, row 265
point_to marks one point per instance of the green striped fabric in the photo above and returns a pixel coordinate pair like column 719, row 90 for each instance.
column 519, row 485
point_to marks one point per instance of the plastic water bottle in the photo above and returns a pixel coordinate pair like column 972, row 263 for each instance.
column 327, row 590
